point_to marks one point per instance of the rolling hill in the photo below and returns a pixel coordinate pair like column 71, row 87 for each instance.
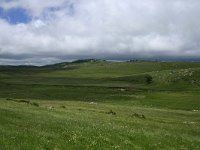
column 93, row 104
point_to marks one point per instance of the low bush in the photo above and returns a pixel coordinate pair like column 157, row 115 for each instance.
column 138, row 116
column 111, row 112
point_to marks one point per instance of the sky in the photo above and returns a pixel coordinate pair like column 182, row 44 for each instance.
column 38, row 32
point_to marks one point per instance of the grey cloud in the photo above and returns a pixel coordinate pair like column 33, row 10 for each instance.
column 103, row 29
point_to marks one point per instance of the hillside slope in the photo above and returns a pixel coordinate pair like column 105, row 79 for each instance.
column 92, row 104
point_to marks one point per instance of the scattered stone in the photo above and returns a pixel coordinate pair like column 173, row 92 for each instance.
column 122, row 90
column 186, row 122
column 93, row 103
column 195, row 110
column 193, row 82
column 50, row 108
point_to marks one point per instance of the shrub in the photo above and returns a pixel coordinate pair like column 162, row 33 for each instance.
column 139, row 115
column 9, row 99
column 62, row 106
column 23, row 101
column 111, row 112
column 148, row 79
column 35, row 104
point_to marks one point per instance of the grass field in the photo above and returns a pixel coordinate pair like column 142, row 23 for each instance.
column 101, row 105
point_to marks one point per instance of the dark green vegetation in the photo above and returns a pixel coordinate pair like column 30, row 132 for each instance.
column 101, row 105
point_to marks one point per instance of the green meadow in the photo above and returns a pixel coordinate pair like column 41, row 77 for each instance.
column 96, row 104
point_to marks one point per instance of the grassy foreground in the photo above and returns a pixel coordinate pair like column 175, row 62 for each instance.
column 83, row 125
column 101, row 105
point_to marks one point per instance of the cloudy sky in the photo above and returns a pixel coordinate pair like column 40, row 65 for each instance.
column 49, row 31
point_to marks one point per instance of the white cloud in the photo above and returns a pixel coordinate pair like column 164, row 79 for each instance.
column 103, row 28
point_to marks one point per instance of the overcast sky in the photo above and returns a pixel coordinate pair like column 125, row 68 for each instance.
column 49, row 31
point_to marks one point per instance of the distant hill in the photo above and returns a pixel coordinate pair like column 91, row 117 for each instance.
column 129, row 71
